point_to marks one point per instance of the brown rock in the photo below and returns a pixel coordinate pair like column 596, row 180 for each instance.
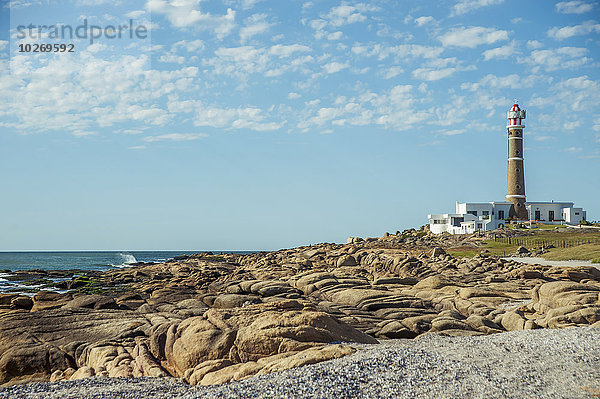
column 45, row 300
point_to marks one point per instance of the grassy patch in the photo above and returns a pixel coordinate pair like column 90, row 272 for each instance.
column 580, row 252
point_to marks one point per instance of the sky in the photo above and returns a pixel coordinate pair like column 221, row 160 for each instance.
column 265, row 124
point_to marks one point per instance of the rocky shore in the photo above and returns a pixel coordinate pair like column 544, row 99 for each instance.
column 209, row 319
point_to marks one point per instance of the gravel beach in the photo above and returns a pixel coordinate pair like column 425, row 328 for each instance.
column 541, row 363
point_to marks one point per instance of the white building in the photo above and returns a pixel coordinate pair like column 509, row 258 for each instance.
column 482, row 216
column 470, row 217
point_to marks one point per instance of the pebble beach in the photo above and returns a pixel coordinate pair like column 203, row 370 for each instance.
column 542, row 363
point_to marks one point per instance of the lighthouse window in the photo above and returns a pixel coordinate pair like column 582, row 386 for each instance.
column 518, row 204
column 518, row 186
column 518, row 152
column 518, row 170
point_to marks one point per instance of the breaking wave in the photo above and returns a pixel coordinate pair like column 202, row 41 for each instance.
column 128, row 259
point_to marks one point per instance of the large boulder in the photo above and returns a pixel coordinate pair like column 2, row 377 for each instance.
column 246, row 334
column 33, row 345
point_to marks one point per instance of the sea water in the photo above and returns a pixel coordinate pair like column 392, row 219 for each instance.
column 105, row 260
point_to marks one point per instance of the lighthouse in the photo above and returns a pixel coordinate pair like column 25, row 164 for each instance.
column 515, row 189
column 471, row 217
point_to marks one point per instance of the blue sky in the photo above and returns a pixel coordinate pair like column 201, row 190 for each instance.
column 258, row 124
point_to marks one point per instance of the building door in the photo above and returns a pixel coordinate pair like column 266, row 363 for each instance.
column 551, row 215
column 537, row 215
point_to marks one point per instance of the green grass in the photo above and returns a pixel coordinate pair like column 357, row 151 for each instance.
column 580, row 252
column 542, row 237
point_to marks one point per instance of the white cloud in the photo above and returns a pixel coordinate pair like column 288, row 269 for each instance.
column 191, row 46
column 453, row 132
column 472, row 37
column 338, row 16
column 187, row 14
column 465, row 6
column 429, row 74
column 334, row 67
column 574, row 7
column 293, row 96
column 335, row 35
column 282, row 50
column 135, row 14
column 242, row 61
column 424, row 20
column 235, row 118
column 392, row 72
column 534, row 44
column 559, row 58
column 3, row 44
column 171, row 58
column 346, row 14
column 500, row 52
column 400, row 52
column 513, row 81
column 255, row 25
column 575, row 30
column 175, row 137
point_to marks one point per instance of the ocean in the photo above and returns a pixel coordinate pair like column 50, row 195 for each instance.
column 100, row 260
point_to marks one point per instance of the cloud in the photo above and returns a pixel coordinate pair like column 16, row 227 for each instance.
column 338, row 16
column 3, row 44
column 500, row 52
column 334, row 67
column 559, row 58
column 293, row 95
column 400, row 52
column 186, row 14
column 346, row 14
column 472, row 37
column 255, row 25
column 574, row 7
column 424, row 20
column 175, row 137
column 135, row 14
column 429, row 74
column 465, row 6
column 240, row 62
column 282, row 50
column 534, row 44
column 575, row 30
column 513, row 81
column 191, row 46
column 252, row 118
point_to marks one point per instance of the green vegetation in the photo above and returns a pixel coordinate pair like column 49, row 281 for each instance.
column 564, row 244
column 580, row 252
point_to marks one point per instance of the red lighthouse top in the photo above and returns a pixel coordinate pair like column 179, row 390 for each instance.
column 515, row 116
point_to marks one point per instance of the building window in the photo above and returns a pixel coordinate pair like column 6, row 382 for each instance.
column 439, row 221
column 479, row 226
column 474, row 213
column 577, row 213
column 500, row 214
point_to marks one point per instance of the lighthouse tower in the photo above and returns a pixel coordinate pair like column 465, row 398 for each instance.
column 515, row 190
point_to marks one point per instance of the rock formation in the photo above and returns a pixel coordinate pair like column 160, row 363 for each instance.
column 210, row 319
